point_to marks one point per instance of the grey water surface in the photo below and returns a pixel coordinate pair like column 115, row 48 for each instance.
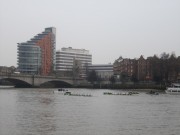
column 45, row 112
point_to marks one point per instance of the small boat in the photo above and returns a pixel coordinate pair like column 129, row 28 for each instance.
column 80, row 95
column 67, row 93
column 107, row 93
column 129, row 93
column 6, row 86
column 75, row 94
column 61, row 89
column 173, row 89
column 133, row 92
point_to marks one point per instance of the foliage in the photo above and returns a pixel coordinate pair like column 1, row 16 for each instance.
column 166, row 68
column 92, row 76
column 134, row 78
column 124, row 77
column 76, row 68
column 112, row 79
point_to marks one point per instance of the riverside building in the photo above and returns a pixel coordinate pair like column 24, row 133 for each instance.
column 37, row 56
column 125, row 66
column 104, row 71
column 67, row 59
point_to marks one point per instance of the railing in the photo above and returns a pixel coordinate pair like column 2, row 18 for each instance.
column 37, row 76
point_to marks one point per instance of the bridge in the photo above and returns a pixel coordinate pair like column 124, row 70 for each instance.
column 37, row 81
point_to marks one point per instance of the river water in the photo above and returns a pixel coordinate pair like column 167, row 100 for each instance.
column 44, row 112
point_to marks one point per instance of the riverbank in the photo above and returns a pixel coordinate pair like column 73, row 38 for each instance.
column 123, row 86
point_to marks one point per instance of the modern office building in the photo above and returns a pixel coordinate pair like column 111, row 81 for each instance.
column 37, row 56
column 104, row 71
column 67, row 57
column 29, row 58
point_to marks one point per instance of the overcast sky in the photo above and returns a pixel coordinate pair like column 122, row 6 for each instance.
column 107, row 28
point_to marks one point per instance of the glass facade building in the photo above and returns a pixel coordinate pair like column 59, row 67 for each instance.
column 29, row 58
column 37, row 56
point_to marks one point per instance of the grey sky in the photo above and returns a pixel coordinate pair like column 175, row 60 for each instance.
column 108, row 28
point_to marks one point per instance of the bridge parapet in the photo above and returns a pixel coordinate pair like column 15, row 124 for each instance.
column 37, row 80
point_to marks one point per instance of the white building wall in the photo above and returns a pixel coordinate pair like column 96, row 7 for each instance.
column 66, row 56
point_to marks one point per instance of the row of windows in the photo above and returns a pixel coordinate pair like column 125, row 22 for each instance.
column 90, row 67
column 68, row 53
column 37, row 48
column 100, row 66
column 27, row 58
column 70, row 67
column 33, row 52
column 27, row 68
column 72, row 56
column 29, row 72
column 71, row 62
column 63, row 69
column 29, row 61
column 59, row 61
column 29, row 54
column 28, row 64
column 30, row 47
column 72, row 59
column 66, row 64
column 104, row 70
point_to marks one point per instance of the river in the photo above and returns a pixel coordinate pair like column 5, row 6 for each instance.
column 44, row 112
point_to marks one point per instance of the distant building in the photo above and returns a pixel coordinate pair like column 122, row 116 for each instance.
column 29, row 58
column 7, row 70
column 37, row 56
column 67, row 57
column 148, row 70
column 104, row 71
column 142, row 68
column 127, row 66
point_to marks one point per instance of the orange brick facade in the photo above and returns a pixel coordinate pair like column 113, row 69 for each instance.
column 46, row 47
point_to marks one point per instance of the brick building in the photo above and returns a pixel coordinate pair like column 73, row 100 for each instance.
column 128, row 66
column 150, row 69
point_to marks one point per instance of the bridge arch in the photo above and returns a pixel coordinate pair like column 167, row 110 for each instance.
column 38, row 81
column 56, row 84
column 17, row 82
